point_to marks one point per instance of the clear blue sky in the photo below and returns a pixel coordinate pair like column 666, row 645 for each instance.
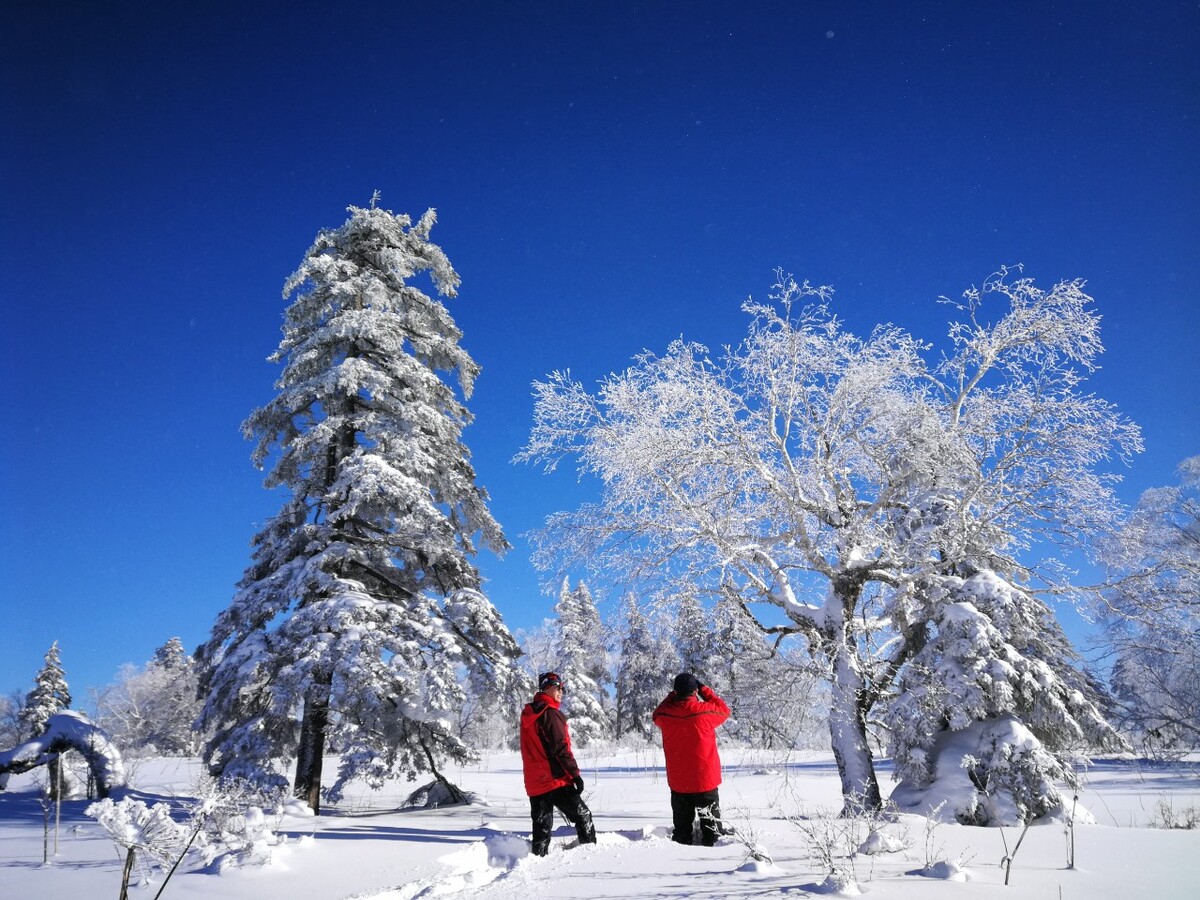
column 608, row 176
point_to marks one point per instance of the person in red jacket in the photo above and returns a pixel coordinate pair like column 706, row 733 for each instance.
column 552, row 778
column 689, row 718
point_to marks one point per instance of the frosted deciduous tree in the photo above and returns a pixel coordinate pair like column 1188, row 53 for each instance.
column 820, row 476
column 1152, row 614
column 582, row 661
column 49, row 695
column 361, row 609
column 12, row 729
column 770, row 694
column 154, row 709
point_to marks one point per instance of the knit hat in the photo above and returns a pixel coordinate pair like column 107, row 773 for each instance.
column 686, row 684
column 549, row 680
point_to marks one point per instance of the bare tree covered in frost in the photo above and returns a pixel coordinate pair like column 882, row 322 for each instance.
column 361, row 609
column 154, row 709
column 12, row 729
column 771, row 692
column 1152, row 616
column 50, row 694
column 645, row 667
column 582, row 661
column 823, row 479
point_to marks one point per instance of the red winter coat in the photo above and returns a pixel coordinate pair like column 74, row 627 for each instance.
column 689, row 740
column 546, row 752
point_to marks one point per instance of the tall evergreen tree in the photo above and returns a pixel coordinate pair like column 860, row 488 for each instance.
column 643, row 672
column 49, row 695
column 361, row 607
column 582, row 662
column 694, row 638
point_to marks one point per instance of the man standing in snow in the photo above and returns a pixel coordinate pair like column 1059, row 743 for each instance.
column 552, row 776
column 689, row 718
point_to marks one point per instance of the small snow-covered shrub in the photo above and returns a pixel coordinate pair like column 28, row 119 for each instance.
column 436, row 794
column 990, row 773
column 237, row 820
column 1167, row 816
column 832, row 843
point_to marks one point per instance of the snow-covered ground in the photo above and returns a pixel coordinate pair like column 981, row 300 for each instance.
column 368, row 849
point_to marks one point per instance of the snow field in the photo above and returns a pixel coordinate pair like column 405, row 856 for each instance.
column 367, row 849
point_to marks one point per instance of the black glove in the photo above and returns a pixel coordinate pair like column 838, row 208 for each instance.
column 579, row 784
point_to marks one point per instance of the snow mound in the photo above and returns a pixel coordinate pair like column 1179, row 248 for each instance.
column 835, row 883
column 437, row 794
column 758, row 868
column 945, row 870
column 881, row 842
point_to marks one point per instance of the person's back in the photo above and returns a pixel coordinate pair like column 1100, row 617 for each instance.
column 689, row 718
column 689, row 726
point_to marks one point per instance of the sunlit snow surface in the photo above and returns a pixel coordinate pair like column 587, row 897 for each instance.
column 365, row 848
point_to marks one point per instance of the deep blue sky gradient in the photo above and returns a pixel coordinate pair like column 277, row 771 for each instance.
column 608, row 176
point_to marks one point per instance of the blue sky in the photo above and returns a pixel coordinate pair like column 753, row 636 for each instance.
column 607, row 177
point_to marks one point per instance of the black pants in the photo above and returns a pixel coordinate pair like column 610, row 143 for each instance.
column 685, row 808
column 568, row 802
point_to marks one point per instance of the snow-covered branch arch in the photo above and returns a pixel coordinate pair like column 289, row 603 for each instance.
column 68, row 730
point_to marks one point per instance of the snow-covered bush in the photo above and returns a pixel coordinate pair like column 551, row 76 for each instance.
column 990, row 708
column 236, row 819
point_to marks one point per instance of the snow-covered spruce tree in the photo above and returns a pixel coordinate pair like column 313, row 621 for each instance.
column 822, row 475
column 154, row 709
column 645, row 667
column 361, row 609
column 1151, row 615
column 694, row 638
column 49, row 695
column 582, row 661
column 994, row 666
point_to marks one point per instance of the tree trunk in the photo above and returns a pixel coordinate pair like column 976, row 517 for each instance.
column 848, row 714
column 310, row 755
column 848, row 736
column 456, row 795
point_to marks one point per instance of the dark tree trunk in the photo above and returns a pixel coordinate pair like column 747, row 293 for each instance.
column 310, row 755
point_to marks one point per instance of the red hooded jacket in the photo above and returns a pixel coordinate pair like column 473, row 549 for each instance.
column 689, row 740
column 546, row 752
